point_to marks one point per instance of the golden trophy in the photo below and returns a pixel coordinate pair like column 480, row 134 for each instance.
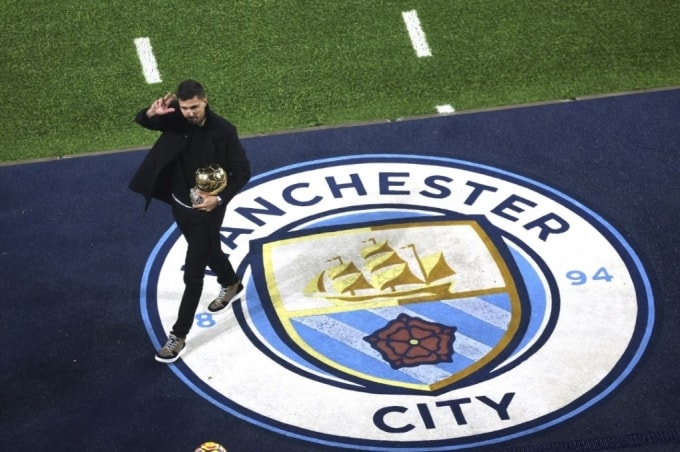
column 210, row 180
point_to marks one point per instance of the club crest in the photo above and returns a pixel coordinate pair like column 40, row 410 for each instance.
column 430, row 303
column 411, row 305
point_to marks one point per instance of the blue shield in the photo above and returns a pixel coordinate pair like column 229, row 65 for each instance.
column 413, row 305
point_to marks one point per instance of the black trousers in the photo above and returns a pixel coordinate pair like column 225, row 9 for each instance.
column 202, row 233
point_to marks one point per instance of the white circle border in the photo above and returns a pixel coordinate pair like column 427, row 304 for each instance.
column 595, row 219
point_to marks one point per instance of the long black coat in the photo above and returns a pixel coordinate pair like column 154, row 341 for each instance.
column 153, row 178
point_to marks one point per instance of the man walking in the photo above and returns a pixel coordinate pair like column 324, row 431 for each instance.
column 192, row 138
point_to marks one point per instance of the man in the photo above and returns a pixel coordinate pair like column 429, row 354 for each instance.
column 192, row 137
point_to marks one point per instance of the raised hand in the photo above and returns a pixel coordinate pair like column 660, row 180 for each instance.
column 161, row 106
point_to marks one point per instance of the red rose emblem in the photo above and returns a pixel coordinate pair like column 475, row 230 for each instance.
column 409, row 341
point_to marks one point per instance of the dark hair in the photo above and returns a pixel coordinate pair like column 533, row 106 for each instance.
column 189, row 89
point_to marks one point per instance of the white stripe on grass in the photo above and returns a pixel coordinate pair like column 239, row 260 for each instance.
column 445, row 109
column 148, row 60
column 416, row 33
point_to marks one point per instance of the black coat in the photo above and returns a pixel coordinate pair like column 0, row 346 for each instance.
column 153, row 178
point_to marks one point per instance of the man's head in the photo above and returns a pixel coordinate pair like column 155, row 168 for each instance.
column 192, row 101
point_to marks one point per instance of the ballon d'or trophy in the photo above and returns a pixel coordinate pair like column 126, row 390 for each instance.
column 210, row 180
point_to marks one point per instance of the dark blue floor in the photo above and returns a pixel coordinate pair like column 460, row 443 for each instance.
column 77, row 369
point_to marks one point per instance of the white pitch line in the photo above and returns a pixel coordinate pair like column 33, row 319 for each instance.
column 148, row 60
column 445, row 109
column 416, row 33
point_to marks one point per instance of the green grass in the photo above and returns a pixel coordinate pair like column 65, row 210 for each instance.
column 72, row 80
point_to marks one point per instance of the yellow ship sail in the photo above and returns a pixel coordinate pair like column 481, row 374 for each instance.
column 343, row 278
column 385, row 274
column 347, row 278
column 434, row 267
column 376, row 248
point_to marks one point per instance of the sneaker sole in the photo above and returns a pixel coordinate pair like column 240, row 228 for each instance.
column 170, row 360
column 236, row 296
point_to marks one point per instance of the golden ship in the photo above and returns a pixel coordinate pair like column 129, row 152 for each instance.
column 386, row 274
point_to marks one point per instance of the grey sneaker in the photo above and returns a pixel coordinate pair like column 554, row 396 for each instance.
column 226, row 295
column 172, row 349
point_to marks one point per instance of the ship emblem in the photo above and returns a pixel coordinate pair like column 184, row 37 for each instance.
column 412, row 305
column 390, row 276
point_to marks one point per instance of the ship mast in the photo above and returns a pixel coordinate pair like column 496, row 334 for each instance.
column 420, row 263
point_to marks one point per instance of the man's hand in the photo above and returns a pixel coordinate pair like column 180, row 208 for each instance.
column 209, row 202
column 161, row 106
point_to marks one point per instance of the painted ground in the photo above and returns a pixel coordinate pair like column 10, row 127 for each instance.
column 84, row 292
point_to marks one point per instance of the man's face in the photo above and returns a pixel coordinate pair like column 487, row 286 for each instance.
column 193, row 109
